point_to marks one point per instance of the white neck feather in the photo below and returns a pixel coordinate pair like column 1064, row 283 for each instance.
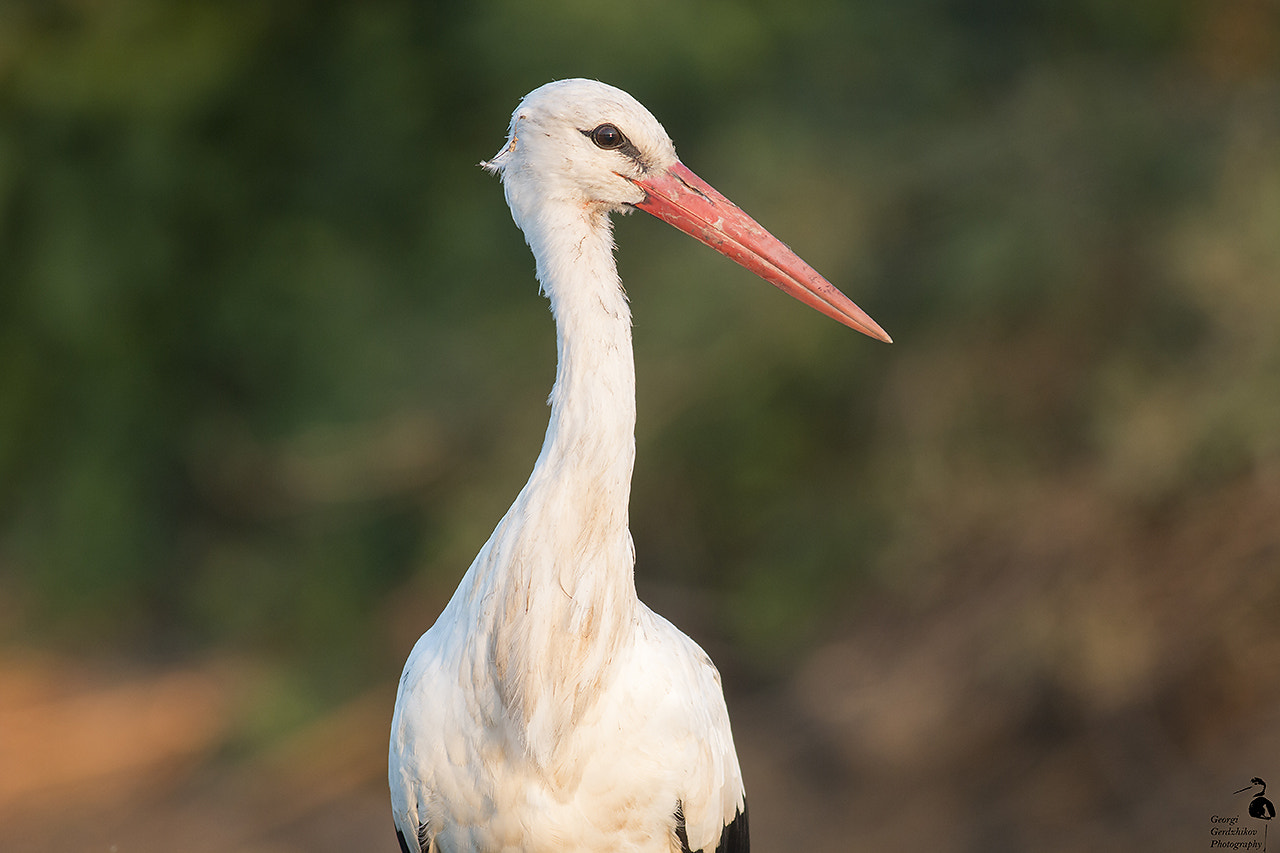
column 558, row 572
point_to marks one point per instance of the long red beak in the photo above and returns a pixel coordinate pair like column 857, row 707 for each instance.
column 684, row 200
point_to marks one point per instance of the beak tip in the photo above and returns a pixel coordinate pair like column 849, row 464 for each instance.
column 859, row 321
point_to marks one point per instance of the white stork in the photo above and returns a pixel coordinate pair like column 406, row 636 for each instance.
column 548, row 709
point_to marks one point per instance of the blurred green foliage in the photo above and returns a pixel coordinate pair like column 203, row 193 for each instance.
column 273, row 363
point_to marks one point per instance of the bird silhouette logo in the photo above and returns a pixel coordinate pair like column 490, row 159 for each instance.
column 1260, row 807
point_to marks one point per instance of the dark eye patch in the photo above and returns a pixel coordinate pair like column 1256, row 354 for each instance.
column 607, row 137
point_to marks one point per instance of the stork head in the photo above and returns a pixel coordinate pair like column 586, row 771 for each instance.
column 583, row 142
column 595, row 148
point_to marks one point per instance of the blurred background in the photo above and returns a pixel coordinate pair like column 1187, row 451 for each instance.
column 273, row 363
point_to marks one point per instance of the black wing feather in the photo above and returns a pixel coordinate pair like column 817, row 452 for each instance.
column 734, row 838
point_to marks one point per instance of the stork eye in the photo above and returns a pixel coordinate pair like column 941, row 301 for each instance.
column 608, row 137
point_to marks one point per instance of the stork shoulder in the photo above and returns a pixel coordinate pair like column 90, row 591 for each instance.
column 696, row 732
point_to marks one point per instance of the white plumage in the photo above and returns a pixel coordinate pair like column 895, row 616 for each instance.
column 548, row 709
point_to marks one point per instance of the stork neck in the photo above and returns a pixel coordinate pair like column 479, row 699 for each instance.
column 592, row 429
column 558, row 572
